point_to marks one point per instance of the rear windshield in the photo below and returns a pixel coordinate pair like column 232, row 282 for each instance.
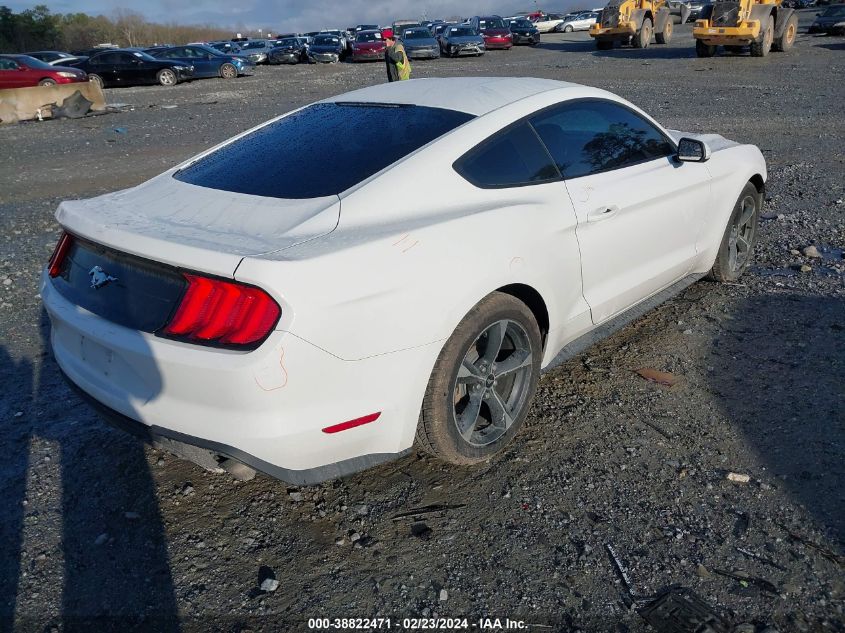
column 322, row 150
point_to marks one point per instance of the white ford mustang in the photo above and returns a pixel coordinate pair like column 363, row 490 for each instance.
column 404, row 275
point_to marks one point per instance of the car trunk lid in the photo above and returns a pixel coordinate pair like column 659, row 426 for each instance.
column 197, row 228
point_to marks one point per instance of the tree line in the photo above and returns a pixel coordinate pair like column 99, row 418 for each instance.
column 40, row 29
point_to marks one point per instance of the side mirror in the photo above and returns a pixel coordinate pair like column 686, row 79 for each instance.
column 691, row 150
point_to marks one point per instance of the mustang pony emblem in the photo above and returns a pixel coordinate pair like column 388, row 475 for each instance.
column 99, row 277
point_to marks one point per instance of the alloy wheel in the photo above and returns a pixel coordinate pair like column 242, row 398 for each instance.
column 742, row 235
column 493, row 383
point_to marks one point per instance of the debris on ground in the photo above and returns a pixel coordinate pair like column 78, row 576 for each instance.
column 660, row 377
column 745, row 579
column 738, row 478
column 679, row 610
column 758, row 557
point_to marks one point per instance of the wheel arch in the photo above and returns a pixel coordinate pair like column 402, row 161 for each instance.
column 759, row 183
column 534, row 301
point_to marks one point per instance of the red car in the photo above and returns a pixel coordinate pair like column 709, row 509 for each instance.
column 495, row 32
column 368, row 45
column 23, row 71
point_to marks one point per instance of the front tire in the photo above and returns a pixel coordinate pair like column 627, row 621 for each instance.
column 787, row 38
column 166, row 77
column 704, row 50
column 567, row 28
column 762, row 48
column 643, row 37
column 483, row 381
column 666, row 34
column 736, row 252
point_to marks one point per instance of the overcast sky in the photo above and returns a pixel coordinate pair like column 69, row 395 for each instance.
column 295, row 15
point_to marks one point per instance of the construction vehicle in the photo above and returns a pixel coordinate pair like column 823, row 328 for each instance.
column 762, row 25
column 634, row 22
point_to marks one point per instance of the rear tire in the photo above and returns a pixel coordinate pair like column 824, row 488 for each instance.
column 604, row 45
column 704, row 50
column 47, row 82
column 228, row 71
column 736, row 252
column 787, row 38
column 762, row 48
column 643, row 37
column 567, row 28
column 466, row 416
column 665, row 36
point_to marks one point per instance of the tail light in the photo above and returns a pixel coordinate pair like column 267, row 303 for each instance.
column 54, row 268
column 223, row 313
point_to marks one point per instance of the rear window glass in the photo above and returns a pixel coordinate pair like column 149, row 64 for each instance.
column 510, row 158
column 322, row 150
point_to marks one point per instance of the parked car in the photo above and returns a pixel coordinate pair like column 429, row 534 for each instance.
column 23, row 71
column 439, row 28
column 580, row 22
column 326, row 49
column 134, row 68
column 493, row 29
column 207, row 61
column 368, row 46
column 292, row 50
column 523, row 31
column 695, row 7
column 255, row 51
column 830, row 21
column 461, row 39
column 344, row 41
column 176, row 319
column 400, row 25
column 419, row 43
column 56, row 58
column 548, row 23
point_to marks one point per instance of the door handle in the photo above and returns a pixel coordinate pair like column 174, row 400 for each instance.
column 603, row 213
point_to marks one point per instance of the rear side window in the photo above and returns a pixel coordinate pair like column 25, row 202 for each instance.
column 511, row 158
column 322, row 150
column 591, row 136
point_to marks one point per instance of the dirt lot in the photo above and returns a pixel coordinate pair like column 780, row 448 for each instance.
column 98, row 532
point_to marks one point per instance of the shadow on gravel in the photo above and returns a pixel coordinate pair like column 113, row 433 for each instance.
column 778, row 375
column 116, row 571
column 839, row 46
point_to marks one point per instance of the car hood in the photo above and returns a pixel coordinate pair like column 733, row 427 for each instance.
column 369, row 46
column 195, row 227
column 421, row 43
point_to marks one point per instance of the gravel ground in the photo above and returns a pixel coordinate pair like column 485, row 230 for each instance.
column 98, row 532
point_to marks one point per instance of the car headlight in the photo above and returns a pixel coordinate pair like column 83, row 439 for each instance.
column 67, row 74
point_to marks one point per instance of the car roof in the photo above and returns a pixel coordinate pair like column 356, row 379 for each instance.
column 473, row 95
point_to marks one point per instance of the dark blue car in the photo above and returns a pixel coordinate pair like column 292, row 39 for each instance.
column 207, row 61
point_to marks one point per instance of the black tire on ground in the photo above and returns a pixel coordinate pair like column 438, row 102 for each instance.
column 786, row 39
column 228, row 71
column 643, row 37
column 736, row 50
column 604, row 45
column 96, row 79
column 466, row 379
column 762, row 48
column 736, row 252
column 47, row 82
column 167, row 77
column 665, row 36
column 704, row 50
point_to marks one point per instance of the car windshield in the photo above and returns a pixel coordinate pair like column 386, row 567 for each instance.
column 32, row 62
column 835, row 12
column 368, row 37
column 326, row 41
column 521, row 24
column 256, row 44
column 491, row 23
column 461, row 32
column 362, row 137
column 288, row 43
column 417, row 34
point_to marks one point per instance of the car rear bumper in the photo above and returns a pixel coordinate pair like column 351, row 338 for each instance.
column 266, row 408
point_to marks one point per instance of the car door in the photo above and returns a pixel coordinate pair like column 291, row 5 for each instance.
column 638, row 209
column 205, row 64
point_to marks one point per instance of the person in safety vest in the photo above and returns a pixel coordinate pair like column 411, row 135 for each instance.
column 398, row 66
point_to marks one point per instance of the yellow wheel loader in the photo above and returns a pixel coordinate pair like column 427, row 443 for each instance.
column 760, row 25
column 635, row 22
